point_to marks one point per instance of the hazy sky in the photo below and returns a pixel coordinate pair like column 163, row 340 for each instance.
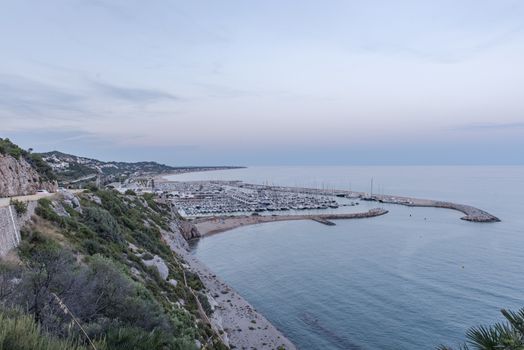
column 266, row 82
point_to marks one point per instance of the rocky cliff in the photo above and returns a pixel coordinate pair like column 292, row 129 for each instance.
column 18, row 177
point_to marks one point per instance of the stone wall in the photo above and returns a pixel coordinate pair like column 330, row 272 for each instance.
column 10, row 224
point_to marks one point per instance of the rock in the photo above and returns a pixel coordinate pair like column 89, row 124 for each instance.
column 94, row 199
column 135, row 272
column 188, row 230
column 173, row 282
column 132, row 247
column 59, row 209
column 18, row 178
column 160, row 265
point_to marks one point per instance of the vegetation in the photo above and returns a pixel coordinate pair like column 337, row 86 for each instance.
column 92, row 261
column 20, row 207
column 500, row 336
column 9, row 148
column 34, row 159
column 20, row 331
column 80, row 167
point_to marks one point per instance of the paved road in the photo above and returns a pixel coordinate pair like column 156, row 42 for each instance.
column 4, row 202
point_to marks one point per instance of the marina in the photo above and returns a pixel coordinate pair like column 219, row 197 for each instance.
column 204, row 198
column 211, row 198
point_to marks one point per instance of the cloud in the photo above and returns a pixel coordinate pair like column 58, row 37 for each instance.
column 137, row 95
column 489, row 126
column 31, row 104
column 28, row 98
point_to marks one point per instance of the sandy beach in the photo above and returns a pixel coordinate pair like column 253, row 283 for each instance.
column 238, row 323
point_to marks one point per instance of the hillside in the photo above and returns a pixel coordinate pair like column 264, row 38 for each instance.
column 23, row 172
column 94, row 267
column 70, row 168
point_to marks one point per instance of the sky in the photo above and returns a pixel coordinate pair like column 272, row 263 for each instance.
column 266, row 82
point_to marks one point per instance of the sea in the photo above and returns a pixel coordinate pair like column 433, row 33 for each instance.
column 413, row 279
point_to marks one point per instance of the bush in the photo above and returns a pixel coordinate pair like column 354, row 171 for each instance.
column 36, row 161
column 45, row 211
column 204, row 301
column 9, row 148
column 21, row 332
column 194, row 281
column 103, row 223
column 130, row 193
column 20, row 207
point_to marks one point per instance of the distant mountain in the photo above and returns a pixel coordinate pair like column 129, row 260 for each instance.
column 71, row 168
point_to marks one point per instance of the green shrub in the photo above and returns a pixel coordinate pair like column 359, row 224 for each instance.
column 92, row 247
column 194, row 281
column 103, row 223
column 35, row 160
column 21, row 332
column 130, row 193
column 9, row 148
column 204, row 301
column 45, row 211
column 20, row 207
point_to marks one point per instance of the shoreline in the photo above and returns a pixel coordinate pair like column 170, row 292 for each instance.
column 218, row 224
column 162, row 177
column 234, row 319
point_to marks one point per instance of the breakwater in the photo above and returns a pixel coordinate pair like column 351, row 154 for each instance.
column 217, row 224
column 473, row 214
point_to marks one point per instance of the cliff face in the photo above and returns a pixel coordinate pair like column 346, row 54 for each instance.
column 18, row 178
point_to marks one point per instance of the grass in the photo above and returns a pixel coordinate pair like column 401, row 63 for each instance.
column 21, row 332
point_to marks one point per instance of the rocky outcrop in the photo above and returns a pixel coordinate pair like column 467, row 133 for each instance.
column 188, row 230
column 18, row 178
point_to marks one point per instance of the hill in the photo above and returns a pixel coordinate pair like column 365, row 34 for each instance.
column 70, row 168
column 94, row 269
column 23, row 172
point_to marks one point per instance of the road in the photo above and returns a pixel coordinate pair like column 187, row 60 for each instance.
column 4, row 202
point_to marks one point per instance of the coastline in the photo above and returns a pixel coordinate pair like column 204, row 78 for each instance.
column 236, row 321
column 163, row 177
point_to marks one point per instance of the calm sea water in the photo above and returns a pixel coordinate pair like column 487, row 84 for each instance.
column 412, row 279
